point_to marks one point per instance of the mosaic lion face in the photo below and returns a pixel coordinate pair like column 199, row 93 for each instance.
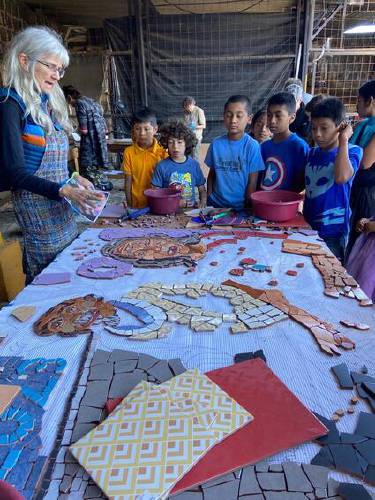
column 73, row 316
column 156, row 251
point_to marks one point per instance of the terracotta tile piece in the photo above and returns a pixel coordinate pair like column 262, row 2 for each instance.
column 328, row 338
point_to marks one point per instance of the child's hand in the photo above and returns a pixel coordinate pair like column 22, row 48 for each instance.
column 345, row 132
column 361, row 225
column 202, row 203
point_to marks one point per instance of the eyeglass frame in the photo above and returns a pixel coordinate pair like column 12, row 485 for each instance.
column 52, row 67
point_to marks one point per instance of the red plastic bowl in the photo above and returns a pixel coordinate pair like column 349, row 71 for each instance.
column 276, row 206
column 163, row 201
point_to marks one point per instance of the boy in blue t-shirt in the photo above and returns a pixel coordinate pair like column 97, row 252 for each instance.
column 179, row 169
column 329, row 174
column 285, row 155
column 234, row 159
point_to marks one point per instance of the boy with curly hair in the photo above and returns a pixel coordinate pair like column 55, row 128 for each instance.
column 180, row 169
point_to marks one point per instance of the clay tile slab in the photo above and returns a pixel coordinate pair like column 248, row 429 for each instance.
column 280, row 422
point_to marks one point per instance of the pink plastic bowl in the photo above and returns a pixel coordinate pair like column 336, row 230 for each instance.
column 163, row 201
column 276, row 206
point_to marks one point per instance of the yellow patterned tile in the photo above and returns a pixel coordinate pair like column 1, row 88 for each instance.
column 146, row 444
column 156, row 434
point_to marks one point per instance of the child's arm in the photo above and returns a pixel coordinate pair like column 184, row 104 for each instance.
column 202, row 196
column 369, row 154
column 210, row 181
column 365, row 226
column 343, row 171
column 251, row 187
column 370, row 226
column 128, row 190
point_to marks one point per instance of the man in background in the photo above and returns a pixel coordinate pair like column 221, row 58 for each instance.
column 195, row 119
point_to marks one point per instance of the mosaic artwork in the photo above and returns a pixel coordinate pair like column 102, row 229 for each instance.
column 21, row 465
column 328, row 338
column 106, row 376
column 156, row 433
column 248, row 313
column 73, row 316
column 285, row 481
column 150, row 317
column 104, row 268
column 336, row 279
column 353, row 453
column 157, row 251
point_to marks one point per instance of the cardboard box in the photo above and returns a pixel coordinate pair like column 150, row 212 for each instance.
column 12, row 279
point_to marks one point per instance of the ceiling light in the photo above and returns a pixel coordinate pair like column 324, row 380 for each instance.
column 361, row 29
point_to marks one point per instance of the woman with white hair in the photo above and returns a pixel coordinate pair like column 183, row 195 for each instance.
column 34, row 146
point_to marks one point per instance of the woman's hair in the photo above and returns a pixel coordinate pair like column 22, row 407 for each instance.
column 367, row 90
column 314, row 101
column 257, row 115
column 70, row 91
column 36, row 42
column 180, row 131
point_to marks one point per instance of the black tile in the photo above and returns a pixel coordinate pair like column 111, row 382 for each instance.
column 369, row 387
column 350, row 491
column 333, row 436
column 370, row 474
column 345, row 458
column 366, row 425
column 176, row 366
column 367, row 450
column 324, row 458
column 342, row 374
column 347, row 438
column 244, row 356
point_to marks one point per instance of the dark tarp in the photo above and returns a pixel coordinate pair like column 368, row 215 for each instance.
column 208, row 56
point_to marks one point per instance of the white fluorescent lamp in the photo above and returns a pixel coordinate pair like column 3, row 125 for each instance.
column 361, row 29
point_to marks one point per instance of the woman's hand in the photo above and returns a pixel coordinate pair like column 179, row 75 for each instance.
column 82, row 181
column 84, row 198
column 361, row 225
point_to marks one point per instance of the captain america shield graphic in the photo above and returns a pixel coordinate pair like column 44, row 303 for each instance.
column 274, row 175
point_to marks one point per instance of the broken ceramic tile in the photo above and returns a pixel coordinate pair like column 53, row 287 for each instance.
column 291, row 272
column 295, row 478
column 51, row 278
column 243, row 356
column 23, row 313
column 342, row 374
column 366, row 425
column 351, row 491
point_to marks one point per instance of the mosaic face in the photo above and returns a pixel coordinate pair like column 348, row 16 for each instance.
column 156, row 252
column 73, row 316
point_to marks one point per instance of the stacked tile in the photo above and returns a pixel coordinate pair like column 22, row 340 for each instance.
column 156, row 434
column 336, row 279
column 104, row 376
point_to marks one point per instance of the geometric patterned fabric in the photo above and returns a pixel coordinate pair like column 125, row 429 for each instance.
column 156, row 434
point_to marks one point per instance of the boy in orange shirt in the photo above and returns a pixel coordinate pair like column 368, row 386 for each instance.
column 141, row 158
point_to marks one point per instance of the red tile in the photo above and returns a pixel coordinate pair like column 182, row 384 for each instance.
column 280, row 422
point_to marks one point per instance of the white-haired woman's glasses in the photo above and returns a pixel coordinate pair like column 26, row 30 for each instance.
column 53, row 67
